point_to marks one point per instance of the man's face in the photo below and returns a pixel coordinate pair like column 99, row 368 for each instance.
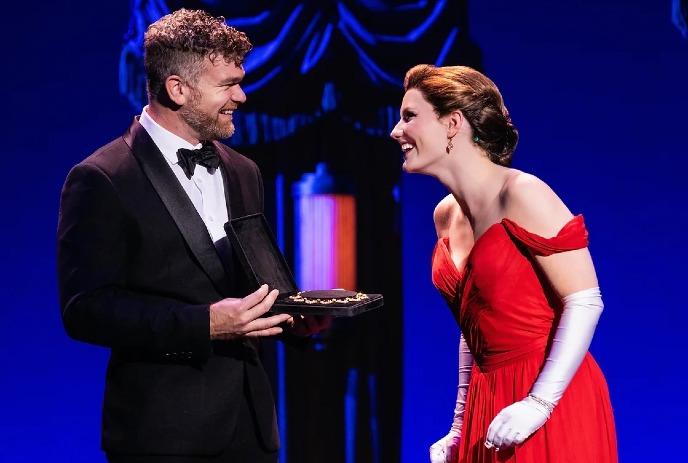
column 216, row 95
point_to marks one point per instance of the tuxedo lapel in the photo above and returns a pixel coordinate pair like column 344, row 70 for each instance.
column 177, row 203
column 233, row 194
column 225, row 183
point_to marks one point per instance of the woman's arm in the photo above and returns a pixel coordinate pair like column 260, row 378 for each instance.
column 534, row 206
column 446, row 449
column 450, row 222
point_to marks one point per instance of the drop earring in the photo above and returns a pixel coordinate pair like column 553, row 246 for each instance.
column 450, row 146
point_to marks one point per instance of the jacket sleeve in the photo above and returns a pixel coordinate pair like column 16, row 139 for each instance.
column 98, row 307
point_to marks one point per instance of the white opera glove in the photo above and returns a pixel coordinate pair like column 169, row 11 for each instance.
column 446, row 449
column 515, row 423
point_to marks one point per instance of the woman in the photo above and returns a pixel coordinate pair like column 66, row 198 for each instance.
column 513, row 264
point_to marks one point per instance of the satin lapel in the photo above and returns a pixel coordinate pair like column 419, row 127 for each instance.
column 233, row 194
column 177, row 203
column 225, row 183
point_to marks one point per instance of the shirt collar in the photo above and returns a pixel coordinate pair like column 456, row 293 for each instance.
column 167, row 142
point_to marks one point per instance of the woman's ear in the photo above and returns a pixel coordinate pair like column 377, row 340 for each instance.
column 455, row 121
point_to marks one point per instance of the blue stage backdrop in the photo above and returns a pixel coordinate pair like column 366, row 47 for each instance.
column 598, row 91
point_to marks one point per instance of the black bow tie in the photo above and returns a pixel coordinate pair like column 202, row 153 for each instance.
column 205, row 156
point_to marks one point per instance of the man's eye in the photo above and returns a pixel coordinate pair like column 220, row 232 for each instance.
column 408, row 116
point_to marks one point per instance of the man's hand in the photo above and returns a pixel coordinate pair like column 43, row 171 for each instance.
column 233, row 318
column 306, row 325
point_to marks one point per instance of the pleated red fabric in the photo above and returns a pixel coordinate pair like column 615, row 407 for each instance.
column 507, row 311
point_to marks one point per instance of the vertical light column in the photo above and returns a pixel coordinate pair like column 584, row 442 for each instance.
column 325, row 258
column 325, row 238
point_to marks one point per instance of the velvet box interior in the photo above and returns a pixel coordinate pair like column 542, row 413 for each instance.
column 256, row 248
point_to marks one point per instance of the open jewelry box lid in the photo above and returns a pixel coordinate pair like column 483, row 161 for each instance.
column 257, row 251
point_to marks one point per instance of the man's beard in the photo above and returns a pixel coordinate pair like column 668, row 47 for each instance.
column 206, row 125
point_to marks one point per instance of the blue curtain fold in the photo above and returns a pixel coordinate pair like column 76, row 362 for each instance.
column 311, row 58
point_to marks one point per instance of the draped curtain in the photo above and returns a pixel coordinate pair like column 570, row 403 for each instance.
column 314, row 57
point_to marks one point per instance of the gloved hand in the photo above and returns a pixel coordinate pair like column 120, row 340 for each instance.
column 446, row 450
column 515, row 423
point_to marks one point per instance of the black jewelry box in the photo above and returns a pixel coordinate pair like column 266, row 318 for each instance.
column 255, row 246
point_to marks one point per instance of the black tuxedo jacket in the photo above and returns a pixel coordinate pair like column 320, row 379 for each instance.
column 137, row 272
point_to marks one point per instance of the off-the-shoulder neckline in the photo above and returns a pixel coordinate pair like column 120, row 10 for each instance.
column 444, row 240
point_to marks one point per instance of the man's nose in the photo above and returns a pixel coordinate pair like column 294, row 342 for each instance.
column 239, row 96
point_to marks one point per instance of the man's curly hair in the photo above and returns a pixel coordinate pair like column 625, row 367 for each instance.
column 178, row 44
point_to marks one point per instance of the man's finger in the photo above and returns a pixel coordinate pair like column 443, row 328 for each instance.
column 262, row 306
column 254, row 298
column 324, row 322
column 313, row 323
column 316, row 323
column 274, row 331
column 264, row 323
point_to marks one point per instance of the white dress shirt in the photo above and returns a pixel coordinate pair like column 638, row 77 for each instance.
column 205, row 190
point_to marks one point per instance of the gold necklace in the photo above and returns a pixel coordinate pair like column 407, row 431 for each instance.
column 298, row 297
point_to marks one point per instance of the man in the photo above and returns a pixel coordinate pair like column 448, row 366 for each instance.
column 146, row 270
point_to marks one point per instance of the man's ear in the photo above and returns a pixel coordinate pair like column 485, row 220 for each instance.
column 177, row 90
column 455, row 121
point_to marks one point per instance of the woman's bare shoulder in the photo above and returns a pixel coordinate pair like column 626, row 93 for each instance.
column 533, row 205
column 447, row 215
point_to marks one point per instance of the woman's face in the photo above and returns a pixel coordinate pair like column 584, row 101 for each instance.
column 421, row 134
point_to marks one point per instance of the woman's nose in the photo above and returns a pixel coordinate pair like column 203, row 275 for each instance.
column 396, row 131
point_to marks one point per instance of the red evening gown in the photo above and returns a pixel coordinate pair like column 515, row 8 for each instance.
column 507, row 312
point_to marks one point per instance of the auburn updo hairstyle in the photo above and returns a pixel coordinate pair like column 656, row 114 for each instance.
column 452, row 88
